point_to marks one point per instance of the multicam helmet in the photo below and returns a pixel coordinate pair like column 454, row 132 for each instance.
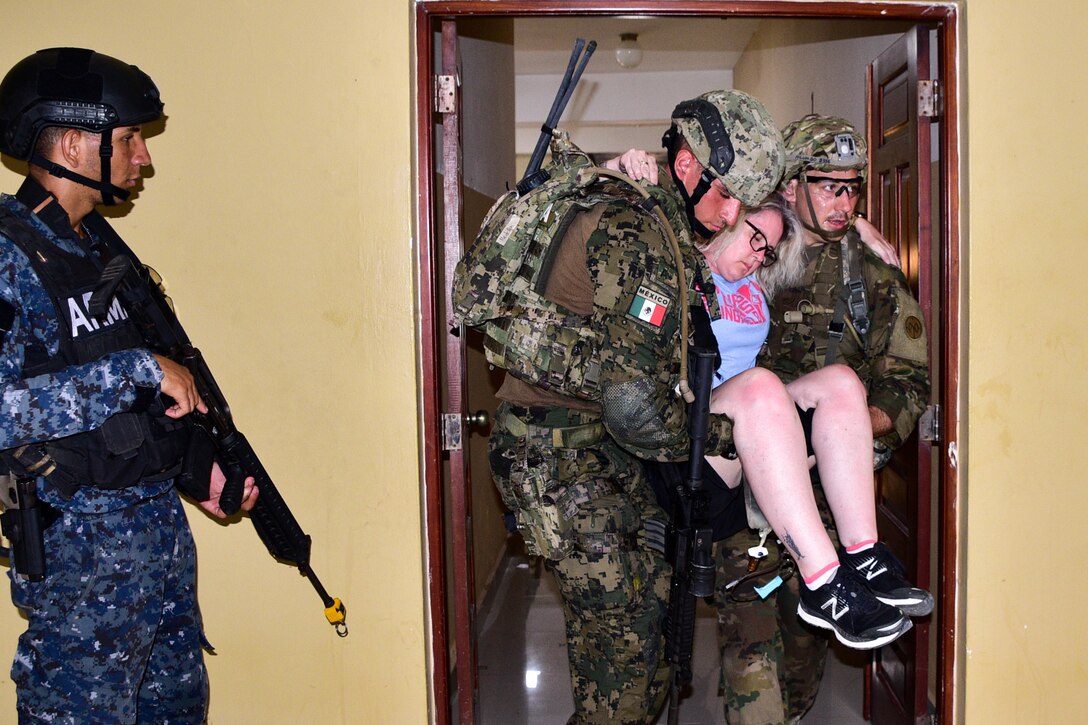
column 734, row 137
column 823, row 143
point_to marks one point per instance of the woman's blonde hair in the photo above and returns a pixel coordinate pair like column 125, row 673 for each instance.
column 784, row 273
column 790, row 267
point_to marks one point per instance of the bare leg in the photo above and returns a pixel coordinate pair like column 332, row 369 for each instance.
column 771, row 446
column 842, row 437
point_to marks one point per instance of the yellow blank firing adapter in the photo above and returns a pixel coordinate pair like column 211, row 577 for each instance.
column 337, row 615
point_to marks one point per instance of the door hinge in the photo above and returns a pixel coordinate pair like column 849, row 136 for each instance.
column 929, row 99
column 451, row 432
column 445, row 94
column 929, row 425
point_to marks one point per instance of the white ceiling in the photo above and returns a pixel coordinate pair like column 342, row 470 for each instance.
column 543, row 45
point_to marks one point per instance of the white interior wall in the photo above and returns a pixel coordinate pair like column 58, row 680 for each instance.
column 489, row 102
column 814, row 66
column 611, row 112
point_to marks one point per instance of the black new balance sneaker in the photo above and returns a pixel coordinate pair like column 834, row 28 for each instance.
column 846, row 607
column 884, row 576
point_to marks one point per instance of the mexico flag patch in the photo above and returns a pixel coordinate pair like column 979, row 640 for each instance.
column 649, row 306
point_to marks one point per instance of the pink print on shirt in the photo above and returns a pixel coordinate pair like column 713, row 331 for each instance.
column 745, row 306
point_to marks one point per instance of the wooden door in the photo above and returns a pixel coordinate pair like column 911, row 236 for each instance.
column 900, row 205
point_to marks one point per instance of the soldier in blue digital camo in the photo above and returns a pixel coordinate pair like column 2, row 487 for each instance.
column 564, row 455
column 771, row 663
column 86, row 443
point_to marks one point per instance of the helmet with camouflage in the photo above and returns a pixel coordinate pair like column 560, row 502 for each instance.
column 735, row 139
column 824, row 143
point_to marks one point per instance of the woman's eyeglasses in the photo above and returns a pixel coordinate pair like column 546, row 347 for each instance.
column 758, row 242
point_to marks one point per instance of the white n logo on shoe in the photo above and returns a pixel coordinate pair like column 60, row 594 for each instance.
column 868, row 568
column 837, row 607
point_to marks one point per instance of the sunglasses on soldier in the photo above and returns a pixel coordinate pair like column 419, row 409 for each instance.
column 830, row 188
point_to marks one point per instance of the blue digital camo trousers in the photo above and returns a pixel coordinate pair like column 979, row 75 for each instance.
column 114, row 631
column 581, row 502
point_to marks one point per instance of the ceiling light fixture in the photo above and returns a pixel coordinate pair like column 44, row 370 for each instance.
column 628, row 52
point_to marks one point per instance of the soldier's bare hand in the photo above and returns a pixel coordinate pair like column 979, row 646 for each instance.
column 638, row 164
column 177, row 383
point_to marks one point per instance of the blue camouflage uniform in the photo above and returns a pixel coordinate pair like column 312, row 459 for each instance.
column 114, row 632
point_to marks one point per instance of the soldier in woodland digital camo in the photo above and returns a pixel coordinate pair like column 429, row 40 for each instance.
column 113, row 628
column 565, row 460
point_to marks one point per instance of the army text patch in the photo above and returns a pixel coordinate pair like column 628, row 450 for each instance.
column 649, row 306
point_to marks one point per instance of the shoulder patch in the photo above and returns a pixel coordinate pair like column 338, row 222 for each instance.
column 913, row 327
column 649, row 306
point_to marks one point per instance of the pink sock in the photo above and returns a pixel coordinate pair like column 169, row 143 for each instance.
column 823, row 576
column 860, row 546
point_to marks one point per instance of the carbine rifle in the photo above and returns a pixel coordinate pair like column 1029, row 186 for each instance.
column 691, row 544
column 152, row 311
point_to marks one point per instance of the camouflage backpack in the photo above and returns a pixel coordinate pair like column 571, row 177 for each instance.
column 499, row 284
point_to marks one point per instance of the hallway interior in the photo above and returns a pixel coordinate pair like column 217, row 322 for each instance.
column 522, row 659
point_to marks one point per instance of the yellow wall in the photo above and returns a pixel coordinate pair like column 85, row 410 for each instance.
column 280, row 212
column 280, row 215
column 1027, row 543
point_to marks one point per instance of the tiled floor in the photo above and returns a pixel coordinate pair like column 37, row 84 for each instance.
column 523, row 661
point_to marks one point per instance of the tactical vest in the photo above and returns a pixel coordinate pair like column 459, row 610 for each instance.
column 139, row 445
column 827, row 305
column 500, row 282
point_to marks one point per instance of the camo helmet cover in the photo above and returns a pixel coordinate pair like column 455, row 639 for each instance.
column 759, row 155
column 823, row 143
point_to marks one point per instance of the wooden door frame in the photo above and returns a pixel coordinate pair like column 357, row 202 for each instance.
column 946, row 16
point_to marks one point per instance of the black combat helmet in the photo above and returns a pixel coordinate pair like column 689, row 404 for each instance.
column 73, row 88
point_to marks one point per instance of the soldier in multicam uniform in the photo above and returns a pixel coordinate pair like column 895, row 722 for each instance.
column 771, row 663
column 564, row 464
column 114, row 632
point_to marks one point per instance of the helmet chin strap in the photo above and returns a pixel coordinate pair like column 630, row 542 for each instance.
column 821, row 233
column 110, row 194
column 692, row 200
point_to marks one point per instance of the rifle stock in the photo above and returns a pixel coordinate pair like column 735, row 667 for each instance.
column 691, row 543
column 272, row 518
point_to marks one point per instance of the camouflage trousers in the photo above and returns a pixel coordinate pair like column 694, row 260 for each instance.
column 581, row 502
column 114, row 631
column 772, row 662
